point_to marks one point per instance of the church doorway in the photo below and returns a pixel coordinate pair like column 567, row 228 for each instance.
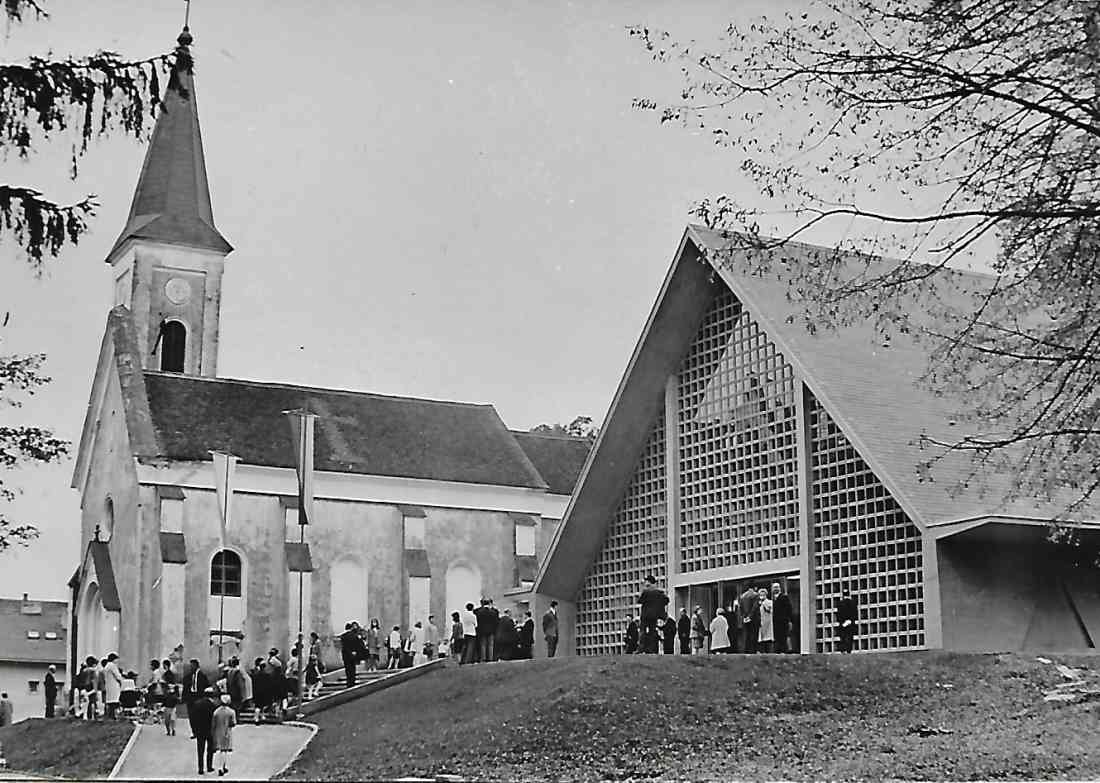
column 97, row 629
column 348, row 594
column 712, row 595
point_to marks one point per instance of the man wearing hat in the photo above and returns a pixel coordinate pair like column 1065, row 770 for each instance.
column 201, row 716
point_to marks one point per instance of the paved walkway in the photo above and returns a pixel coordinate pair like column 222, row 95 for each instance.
column 259, row 752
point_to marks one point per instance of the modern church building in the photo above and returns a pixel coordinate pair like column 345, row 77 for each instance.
column 420, row 505
column 742, row 449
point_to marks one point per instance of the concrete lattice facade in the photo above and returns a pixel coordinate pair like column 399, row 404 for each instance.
column 743, row 448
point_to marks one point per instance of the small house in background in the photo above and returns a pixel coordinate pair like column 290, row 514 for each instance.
column 32, row 636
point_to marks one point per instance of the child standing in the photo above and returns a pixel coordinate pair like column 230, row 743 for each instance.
column 221, row 732
column 313, row 678
column 171, row 698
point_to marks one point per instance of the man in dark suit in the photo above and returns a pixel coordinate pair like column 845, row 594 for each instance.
column 526, row 637
column 486, row 631
column 653, row 602
column 51, row 690
column 683, row 631
column 507, row 637
column 351, row 651
column 630, row 642
column 782, row 617
column 847, row 618
column 194, row 685
column 550, row 629
column 749, row 606
column 201, row 717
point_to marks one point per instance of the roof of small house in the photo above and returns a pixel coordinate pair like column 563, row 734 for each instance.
column 558, row 458
column 355, row 432
column 20, row 619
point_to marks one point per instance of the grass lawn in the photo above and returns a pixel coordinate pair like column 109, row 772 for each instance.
column 717, row 718
column 61, row 747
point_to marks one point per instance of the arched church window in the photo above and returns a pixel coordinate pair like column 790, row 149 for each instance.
column 173, row 346
column 225, row 574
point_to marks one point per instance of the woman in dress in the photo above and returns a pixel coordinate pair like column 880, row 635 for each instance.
column 315, row 651
column 221, row 732
column 766, row 637
column 456, row 636
column 374, row 645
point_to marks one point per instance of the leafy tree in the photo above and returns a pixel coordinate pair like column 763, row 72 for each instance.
column 933, row 134
column 41, row 101
column 581, row 427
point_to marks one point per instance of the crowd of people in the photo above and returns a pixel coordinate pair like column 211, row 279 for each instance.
column 758, row 621
column 476, row 635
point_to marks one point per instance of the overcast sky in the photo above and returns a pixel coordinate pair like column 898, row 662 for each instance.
column 437, row 199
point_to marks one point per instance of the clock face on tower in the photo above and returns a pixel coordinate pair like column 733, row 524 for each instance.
column 177, row 290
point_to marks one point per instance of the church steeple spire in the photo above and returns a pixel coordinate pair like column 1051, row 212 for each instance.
column 169, row 261
column 172, row 199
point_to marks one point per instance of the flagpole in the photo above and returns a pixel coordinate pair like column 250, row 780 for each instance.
column 224, row 463
column 304, row 469
column 221, row 607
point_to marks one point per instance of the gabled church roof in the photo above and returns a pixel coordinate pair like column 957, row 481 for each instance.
column 172, row 198
column 356, row 432
column 558, row 458
column 871, row 392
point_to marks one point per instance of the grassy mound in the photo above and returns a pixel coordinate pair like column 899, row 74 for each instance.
column 61, row 747
column 909, row 715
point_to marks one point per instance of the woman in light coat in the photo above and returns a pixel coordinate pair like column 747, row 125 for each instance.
column 719, row 633
column 766, row 636
column 221, row 732
column 112, row 685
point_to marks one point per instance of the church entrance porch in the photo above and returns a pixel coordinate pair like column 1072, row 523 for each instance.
column 711, row 596
column 97, row 628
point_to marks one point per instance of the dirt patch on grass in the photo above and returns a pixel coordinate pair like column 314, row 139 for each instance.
column 912, row 715
column 61, row 747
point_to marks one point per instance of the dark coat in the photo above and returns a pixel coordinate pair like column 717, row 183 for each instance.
column 483, row 620
column 201, row 716
column 653, row 601
column 846, row 609
column 749, row 604
column 632, row 635
column 51, row 686
column 782, row 613
column 191, row 690
column 527, row 633
column 506, row 631
column 683, row 627
column 351, row 646
column 550, row 625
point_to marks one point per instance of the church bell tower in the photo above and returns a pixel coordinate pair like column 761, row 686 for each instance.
column 168, row 260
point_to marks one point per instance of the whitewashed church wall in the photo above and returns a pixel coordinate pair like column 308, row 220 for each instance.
column 173, row 598
column 369, row 534
column 113, row 476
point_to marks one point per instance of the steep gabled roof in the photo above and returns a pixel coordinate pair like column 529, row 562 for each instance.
column 874, row 392
column 356, row 432
column 172, row 198
column 871, row 391
column 18, row 617
column 557, row 458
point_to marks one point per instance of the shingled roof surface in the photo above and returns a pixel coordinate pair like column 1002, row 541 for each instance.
column 876, row 395
column 14, row 625
column 172, row 198
column 355, row 432
column 558, row 459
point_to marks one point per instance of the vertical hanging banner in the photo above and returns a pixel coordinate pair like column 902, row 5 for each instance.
column 301, row 429
column 225, row 464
